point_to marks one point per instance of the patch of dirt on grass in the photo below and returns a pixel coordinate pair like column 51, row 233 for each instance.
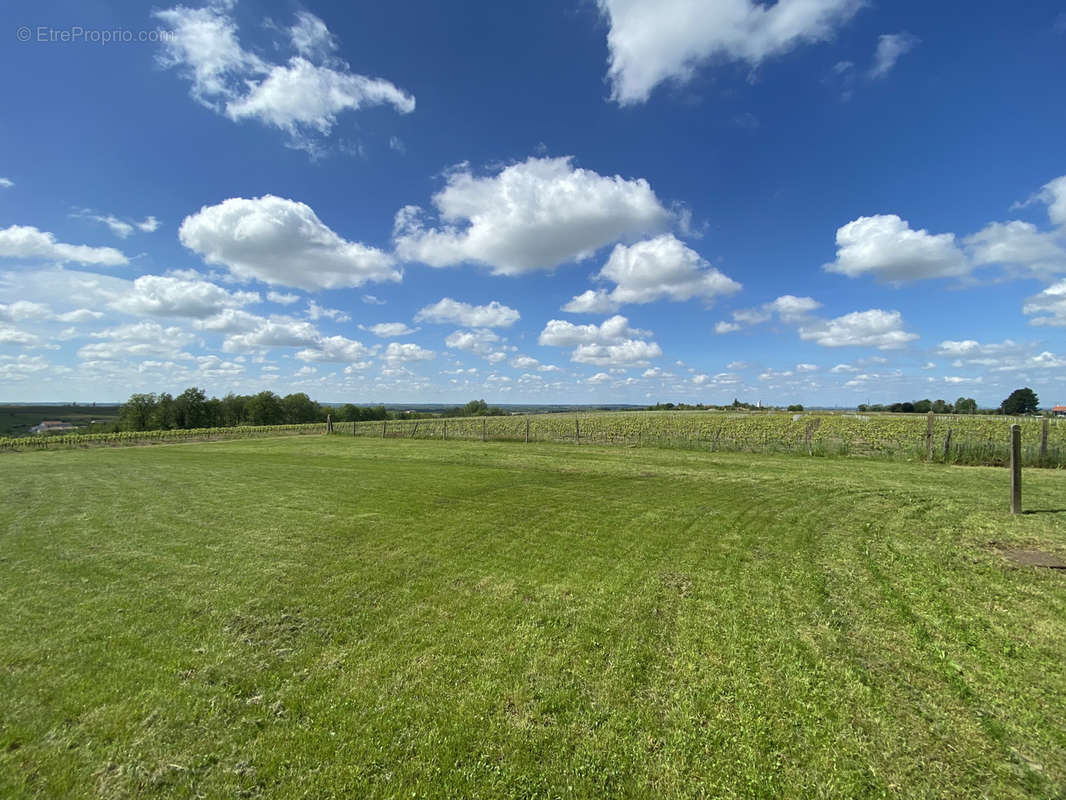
column 1032, row 558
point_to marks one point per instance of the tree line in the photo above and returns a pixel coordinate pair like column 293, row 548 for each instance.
column 1020, row 403
column 194, row 409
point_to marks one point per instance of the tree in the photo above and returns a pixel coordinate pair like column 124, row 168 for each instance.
column 265, row 408
column 163, row 417
column 796, row 407
column 232, row 411
column 923, row 406
column 941, row 407
column 1020, row 402
column 299, row 408
column 965, row 405
column 189, row 409
column 136, row 414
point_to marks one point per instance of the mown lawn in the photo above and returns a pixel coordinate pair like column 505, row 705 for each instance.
column 338, row 617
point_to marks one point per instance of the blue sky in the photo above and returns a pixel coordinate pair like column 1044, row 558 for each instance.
column 827, row 202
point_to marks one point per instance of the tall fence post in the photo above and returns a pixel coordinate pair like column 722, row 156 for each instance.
column 482, row 429
column 384, row 424
column 445, row 430
column 577, row 432
column 947, row 445
column 329, row 423
column 1016, row 469
column 527, row 430
column 929, row 437
column 1043, row 439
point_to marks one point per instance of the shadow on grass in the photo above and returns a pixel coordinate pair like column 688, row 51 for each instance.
column 1045, row 511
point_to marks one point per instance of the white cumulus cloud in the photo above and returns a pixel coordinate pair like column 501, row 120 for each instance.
column 388, row 330
column 282, row 242
column 303, row 96
column 1048, row 307
column 655, row 269
column 492, row 315
column 26, row 241
column 652, row 41
column 166, row 296
column 886, row 247
column 873, row 328
column 537, row 214
column 612, row 343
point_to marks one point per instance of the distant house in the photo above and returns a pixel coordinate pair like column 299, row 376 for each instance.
column 1059, row 411
column 52, row 426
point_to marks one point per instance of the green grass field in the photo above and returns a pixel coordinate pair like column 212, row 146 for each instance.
column 343, row 617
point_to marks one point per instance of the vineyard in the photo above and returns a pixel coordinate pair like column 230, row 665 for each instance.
column 943, row 439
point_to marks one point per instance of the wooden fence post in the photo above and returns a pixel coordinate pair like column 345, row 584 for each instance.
column 1043, row 439
column 482, row 429
column 577, row 432
column 1016, row 469
column 384, row 424
column 445, row 430
column 527, row 430
column 329, row 423
column 947, row 445
column 929, row 437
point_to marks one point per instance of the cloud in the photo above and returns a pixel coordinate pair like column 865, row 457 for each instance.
column 282, row 299
column 302, row 97
column 493, row 315
column 656, row 269
column 274, row 332
column 397, row 353
column 791, row 308
column 370, row 300
column 652, row 41
column 1049, row 305
column 1020, row 244
column 14, row 336
column 533, row 215
column 890, row 46
column 120, row 227
column 524, row 362
column 165, row 296
column 388, row 330
column 282, row 242
column 631, row 352
column 336, row 349
column 1054, row 194
column 310, row 37
column 593, row 301
column 6, row 183
column 137, row 339
column 25, row 241
column 481, row 341
column 885, row 246
column 788, row 307
column 873, row 328
column 316, row 312
column 612, row 343
column 23, row 310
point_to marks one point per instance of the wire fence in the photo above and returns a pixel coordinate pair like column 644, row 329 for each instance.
column 950, row 439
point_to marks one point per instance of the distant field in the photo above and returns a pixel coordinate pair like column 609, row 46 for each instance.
column 974, row 440
column 347, row 617
column 17, row 420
